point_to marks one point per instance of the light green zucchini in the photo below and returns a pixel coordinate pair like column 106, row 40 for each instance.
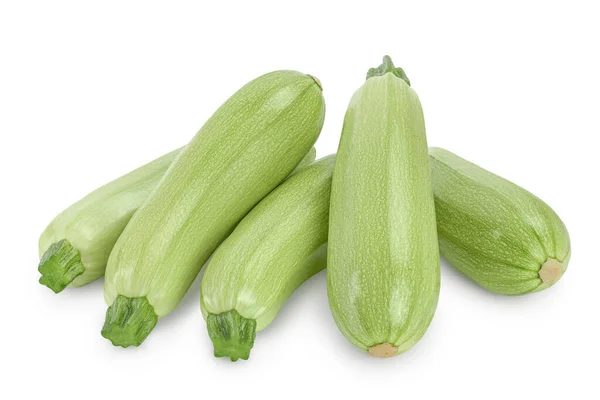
column 280, row 244
column 493, row 231
column 251, row 143
column 75, row 246
column 383, row 274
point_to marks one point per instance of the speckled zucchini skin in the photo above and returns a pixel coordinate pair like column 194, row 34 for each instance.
column 75, row 246
column 93, row 224
column 383, row 264
column 280, row 244
column 248, row 146
column 493, row 231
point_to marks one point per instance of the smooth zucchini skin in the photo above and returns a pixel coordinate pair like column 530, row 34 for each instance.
column 496, row 233
column 251, row 143
column 75, row 246
column 274, row 249
column 383, row 274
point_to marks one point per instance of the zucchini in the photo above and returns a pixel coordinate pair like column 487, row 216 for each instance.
column 383, row 273
column 75, row 246
column 280, row 244
column 251, row 143
column 496, row 233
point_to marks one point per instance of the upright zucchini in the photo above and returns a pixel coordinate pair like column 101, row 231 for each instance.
column 383, row 265
column 277, row 246
column 251, row 143
column 493, row 231
column 75, row 246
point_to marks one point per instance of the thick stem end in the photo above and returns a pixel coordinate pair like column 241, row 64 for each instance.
column 129, row 321
column 60, row 265
column 383, row 350
column 388, row 67
column 232, row 335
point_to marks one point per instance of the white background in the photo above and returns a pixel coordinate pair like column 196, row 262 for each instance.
column 89, row 91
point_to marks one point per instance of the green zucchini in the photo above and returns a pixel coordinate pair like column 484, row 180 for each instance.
column 496, row 233
column 75, row 246
column 383, row 274
column 251, row 143
column 280, row 244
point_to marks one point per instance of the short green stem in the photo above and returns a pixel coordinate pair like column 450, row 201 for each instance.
column 388, row 67
column 232, row 335
column 60, row 265
column 129, row 321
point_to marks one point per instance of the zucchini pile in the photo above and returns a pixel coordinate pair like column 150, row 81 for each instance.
column 247, row 196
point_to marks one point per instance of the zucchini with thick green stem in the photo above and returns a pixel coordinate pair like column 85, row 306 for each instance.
column 383, row 273
column 280, row 244
column 249, row 145
column 75, row 246
column 496, row 233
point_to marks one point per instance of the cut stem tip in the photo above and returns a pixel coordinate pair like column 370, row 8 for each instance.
column 60, row 265
column 383, row 350
column 129, row 321
column 387, row 66
column 232, row 335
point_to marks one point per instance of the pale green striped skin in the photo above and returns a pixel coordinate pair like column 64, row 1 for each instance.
column 93, row 224
column 251, row 143
column 493, row 231
column 274, row 249
column 383, row 264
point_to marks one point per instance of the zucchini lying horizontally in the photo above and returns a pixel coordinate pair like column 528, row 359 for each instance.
column 251, row 143
column 277, row 246
column 75, row 246
column 383, row 266
column 496, row 233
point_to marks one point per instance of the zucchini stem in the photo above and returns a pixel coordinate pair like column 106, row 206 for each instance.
column 232, row 335
column 60, row 265
column 388, row 67
column 129, row 321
